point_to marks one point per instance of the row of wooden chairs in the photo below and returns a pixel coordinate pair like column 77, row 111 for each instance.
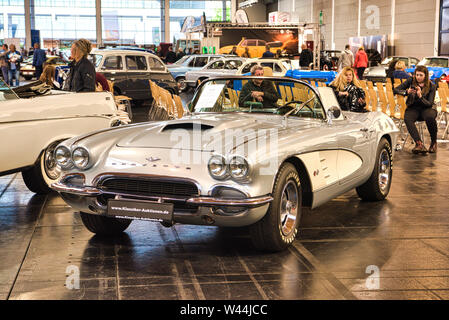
column 123, row 104
column 165, row 105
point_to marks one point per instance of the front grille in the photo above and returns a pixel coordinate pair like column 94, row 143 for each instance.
column 158, row 188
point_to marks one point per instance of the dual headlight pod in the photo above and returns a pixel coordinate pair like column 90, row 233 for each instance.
column 219, row 168
column 79, row 157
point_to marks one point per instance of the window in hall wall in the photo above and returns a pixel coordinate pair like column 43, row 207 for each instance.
column 444, row 28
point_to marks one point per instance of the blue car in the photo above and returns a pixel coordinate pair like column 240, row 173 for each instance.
column 438, row 67
column 312, row 75
column 189, row 63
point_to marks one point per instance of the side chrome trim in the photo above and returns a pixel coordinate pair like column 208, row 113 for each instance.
column 81, row 191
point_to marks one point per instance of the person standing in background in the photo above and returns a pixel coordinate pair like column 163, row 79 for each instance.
column 346, row 59
column 306, row 57
column 361, row 62
column 14, row 60
column 39, row 58
column 268, row 53
column 171, row 56
column 4, row 62
column 81, row 76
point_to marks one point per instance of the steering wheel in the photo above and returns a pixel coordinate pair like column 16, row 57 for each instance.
column 294, row 101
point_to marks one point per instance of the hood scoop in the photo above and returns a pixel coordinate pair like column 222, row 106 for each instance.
column 187, row 126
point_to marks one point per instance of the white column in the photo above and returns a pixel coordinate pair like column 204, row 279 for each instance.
column 393, row 21
column 311, row 11
column 167, row 20
column 360, row 17
column 437, row 27
column 333, row 26
column 233, row 9
column 98, row 23
column 28, row 43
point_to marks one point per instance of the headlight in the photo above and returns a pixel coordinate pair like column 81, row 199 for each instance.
column 62, row 156
column 80, row 158
column 238, row 167
column 217, row 167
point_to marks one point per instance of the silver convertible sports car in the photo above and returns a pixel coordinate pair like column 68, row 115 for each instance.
column 252, row 152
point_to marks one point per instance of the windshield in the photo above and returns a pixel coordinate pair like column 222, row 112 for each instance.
column 182, row 60
column 95, row 59
column 6, row 93
column 434, row 62
column 256, row 95
column 387, row 60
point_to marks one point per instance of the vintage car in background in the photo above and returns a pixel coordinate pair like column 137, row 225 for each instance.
column 438, row 67
column 231, row 162
column 329, row 60
column 278, row 66
column 216, row 67
column 31, row 128
column 131, row 70
column 188, row 63
column 28, row 71
column 379, row 73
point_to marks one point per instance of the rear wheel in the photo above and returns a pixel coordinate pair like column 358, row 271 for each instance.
column 102, row 225
column 378, row 185
column 39, row 177
column 279, row 227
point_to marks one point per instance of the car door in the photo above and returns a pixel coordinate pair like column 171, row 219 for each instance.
column 112, row 69
column 158, row 72
column 138, row 76
column 355, row 139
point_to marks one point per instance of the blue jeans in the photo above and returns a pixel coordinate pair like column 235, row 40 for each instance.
column 14, row 73
column 5, row 74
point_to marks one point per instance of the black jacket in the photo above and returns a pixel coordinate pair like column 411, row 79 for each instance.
column 270, row 95
column 413, row 101
column 306, row 58
column 351, row 101
column 81, row 76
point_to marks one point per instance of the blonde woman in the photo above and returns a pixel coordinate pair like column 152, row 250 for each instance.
column 399, row 72
column 81, row 77
column 348, row 91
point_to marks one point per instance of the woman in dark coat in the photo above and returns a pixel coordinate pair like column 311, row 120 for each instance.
column 81, row 77
column 420, row 92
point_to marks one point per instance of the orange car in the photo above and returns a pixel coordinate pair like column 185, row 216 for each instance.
column 256, row 48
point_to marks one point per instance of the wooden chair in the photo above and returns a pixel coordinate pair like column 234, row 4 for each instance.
column 443, row 92
column 367, row 96
column 123, row 103
column 232, row 99
column 372, row 96
column 382, row 97
column 391, row 101
column 179, row 107
column 283, row 93
column 389, row 81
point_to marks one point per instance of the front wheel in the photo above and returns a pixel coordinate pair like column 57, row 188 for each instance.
column 279, row 227
column 39, row 177
column 102, row 225
column 182, row 84
column 378, row 185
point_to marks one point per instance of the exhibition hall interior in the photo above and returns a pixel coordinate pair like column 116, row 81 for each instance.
column 262, row 150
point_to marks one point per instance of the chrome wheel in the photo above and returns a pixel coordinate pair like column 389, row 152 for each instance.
column 52, row 170
column 289, row 208
column 182, row 85
column 384, row 170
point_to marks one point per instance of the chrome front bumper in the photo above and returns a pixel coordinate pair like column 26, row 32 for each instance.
column 198, row 201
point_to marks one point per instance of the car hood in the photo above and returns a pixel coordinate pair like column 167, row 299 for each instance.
column 377, row 70
column 218, row 132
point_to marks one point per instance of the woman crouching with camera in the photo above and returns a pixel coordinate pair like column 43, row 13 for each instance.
column 420, row 92
column 349, row 92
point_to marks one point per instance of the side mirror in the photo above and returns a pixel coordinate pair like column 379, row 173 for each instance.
column 333, row 113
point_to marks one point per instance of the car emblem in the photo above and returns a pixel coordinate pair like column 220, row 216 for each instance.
column 151, row 159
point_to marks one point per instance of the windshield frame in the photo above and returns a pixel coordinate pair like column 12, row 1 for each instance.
column 237, row 77
column 4, row 88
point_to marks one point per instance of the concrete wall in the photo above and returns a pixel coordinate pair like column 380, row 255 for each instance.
column 414, row 22
column 256, row 13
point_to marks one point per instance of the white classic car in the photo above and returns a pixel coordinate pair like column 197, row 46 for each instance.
column 31, row 128
column 253, row 152
column 279, row 66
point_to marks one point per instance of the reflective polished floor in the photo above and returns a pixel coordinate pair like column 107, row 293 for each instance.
column 347, row 249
